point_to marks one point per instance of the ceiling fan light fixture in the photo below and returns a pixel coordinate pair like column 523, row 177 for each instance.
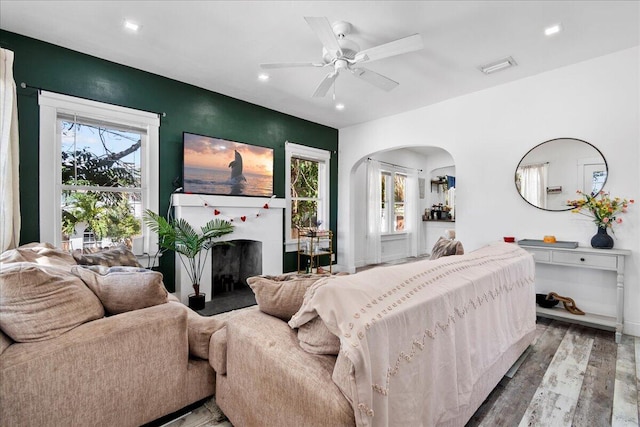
column 499, row 65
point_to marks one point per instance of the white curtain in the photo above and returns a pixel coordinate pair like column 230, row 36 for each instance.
column 374, row 203
column 411, row 212
column 533, row 183
column 9, row 184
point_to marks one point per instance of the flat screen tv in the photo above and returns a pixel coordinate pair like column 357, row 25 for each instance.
column 224, row 167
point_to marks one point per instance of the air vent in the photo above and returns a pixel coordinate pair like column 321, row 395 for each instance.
column 499, row 65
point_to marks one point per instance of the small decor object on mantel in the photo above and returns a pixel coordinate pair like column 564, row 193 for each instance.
column 604, row 210
column 179, row 236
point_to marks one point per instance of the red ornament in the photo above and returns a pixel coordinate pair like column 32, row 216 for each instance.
column 243, row 218
column 216, row 212
column 266, row 206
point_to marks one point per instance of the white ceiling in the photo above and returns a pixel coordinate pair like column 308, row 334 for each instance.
column 218, row 45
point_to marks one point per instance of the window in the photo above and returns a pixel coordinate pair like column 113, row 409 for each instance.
column 393, row 198
column 98, row 173
column 308, row 194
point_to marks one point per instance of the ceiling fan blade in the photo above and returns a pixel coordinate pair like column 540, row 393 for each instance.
column 400, row 46
column 325, row 85
column 290, row 64
column 322, row 28
column 378, row 80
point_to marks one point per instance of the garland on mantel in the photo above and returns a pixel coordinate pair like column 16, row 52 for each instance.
column 218, row 212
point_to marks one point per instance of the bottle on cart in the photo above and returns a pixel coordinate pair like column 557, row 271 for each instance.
column 308, row 270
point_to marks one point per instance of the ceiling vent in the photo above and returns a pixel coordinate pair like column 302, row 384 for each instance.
column 499, row 65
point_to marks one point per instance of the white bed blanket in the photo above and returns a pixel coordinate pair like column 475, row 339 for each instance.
column 420, row 335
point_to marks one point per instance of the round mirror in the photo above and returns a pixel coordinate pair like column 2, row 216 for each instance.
column 551, row 172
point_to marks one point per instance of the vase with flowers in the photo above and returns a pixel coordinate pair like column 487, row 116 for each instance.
column 604, row 210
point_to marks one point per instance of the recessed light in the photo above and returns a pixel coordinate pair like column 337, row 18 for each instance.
column 339, row 106
column 498, row 65
column 132, row 26
column 263, row 77
column 554, row 29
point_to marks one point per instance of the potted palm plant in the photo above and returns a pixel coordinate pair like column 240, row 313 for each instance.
column 192, row 248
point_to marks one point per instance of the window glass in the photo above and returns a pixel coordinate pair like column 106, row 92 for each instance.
column 95, row 156
column 399, row 184
column 392, row 187
column 304, row 178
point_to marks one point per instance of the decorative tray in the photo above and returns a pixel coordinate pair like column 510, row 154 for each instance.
column 558, row 244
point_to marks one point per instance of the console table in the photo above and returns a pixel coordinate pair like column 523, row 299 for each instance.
column 601, row 259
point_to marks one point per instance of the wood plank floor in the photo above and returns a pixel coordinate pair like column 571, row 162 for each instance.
column 571, row 375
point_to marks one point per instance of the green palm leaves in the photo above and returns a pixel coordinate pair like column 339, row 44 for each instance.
column 193, row 247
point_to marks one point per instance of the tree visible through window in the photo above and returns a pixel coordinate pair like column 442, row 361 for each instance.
column 304, row 195
column 101, row 183
column 308, row 190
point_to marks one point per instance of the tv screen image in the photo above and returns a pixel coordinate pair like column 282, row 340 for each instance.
column 224, row 167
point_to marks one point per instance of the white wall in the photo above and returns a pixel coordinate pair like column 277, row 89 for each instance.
column 488, row 132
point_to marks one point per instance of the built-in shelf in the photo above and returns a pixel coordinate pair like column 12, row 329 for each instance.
column 588, row 319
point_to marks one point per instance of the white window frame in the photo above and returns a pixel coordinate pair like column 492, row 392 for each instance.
column 53, row 104
column 390, row 202
column 323, row 157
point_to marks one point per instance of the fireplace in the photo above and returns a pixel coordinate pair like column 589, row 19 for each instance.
column 232, row 264
column 255, row 219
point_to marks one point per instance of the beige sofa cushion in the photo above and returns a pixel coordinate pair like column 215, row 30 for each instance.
column 122, row 289
column 39, row 302
column 315, row 337
column 108, row 257
column 39, row 253
column 281, row 296
column 218, row 351
column 446, row 247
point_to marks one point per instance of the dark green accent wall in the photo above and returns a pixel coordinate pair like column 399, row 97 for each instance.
column 188, row 108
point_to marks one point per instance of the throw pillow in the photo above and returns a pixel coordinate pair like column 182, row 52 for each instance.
column 120, row 255
column 122, row 289
column 315, row 337
column 281, row 296
column 39, row 302
column 446, row 247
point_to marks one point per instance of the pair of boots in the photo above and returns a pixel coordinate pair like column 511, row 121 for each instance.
column 569, row 304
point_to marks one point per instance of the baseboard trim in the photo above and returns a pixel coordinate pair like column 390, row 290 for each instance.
column 632, row 328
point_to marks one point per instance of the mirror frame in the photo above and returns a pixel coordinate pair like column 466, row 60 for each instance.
column 515, row 175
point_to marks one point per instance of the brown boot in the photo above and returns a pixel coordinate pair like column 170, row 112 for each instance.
column 569, row 304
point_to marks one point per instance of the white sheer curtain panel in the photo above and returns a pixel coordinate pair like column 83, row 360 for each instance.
column 411, row 212
column 374, row 204
column 9, row 184
column 533, row 186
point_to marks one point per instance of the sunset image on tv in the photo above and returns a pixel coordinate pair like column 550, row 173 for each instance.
column 220, row 166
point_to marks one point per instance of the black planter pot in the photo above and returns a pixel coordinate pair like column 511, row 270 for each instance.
column 196, row 302
column 602, row 240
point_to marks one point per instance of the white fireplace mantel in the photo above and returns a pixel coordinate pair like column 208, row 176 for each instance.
column 263, row 218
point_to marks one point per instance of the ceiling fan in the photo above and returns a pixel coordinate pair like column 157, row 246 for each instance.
column 341, row 53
